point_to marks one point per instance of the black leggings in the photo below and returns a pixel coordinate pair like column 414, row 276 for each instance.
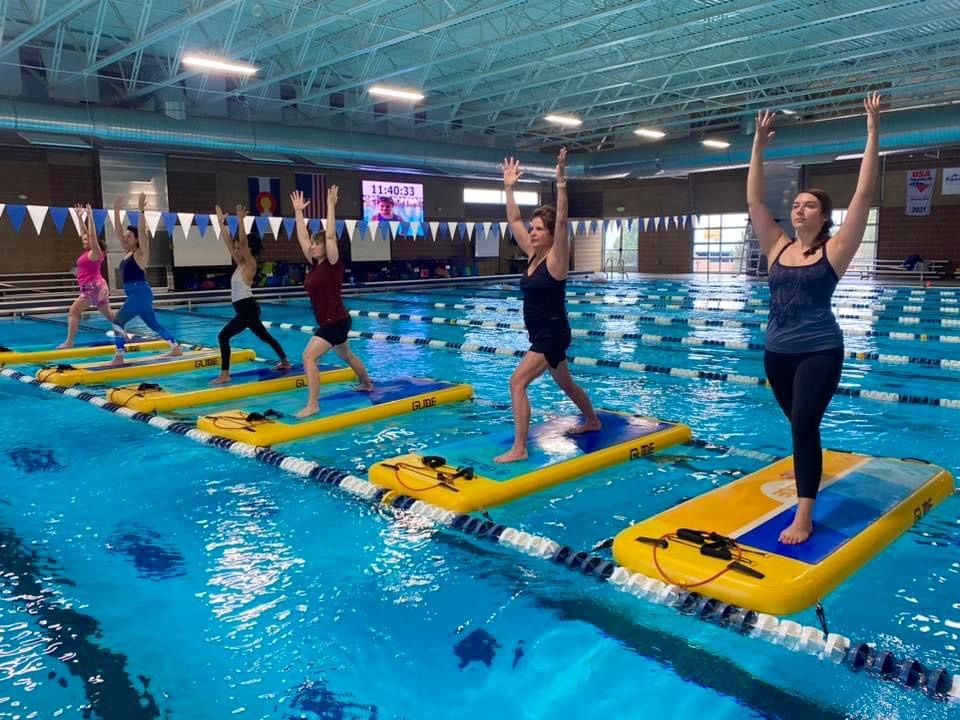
column 804, row 384
column 248, row 316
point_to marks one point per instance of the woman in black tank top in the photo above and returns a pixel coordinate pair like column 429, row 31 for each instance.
column 543, row 285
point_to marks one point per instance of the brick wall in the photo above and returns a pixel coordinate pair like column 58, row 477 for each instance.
column 58, row 178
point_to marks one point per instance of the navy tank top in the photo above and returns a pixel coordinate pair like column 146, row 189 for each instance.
column 544, row 300
column 801, row 319
column 130, row 271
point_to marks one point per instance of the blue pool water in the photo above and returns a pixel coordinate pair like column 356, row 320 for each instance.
column 154, row 577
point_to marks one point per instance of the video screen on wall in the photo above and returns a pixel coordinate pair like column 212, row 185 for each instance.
column 385, row 201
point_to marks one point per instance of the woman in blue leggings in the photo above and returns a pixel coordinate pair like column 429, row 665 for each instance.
column 139, row 302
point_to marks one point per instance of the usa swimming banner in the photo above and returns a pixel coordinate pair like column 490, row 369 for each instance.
column 920, row 191
column 264, row 196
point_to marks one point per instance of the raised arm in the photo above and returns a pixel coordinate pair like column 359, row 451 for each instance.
column 512, row 173
column 117, row 225
column 330, row 231
column 143, row 233
column 303, row 233
column 558, row 261
column 766, row 228
column 95, row 252
column 224, row 232
column 242, row 253
column 848, row 237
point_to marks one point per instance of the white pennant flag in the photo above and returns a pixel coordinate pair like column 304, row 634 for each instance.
column 275, row 223
column 248, row 223
column 37, row 213
column 2, row 206
column 415, row 229
column 676, row 221
column 469, row 230
column 394, row 224
column 351, row 226
column 451, row 230
column 503, row 229
column 153, row 220
column 78, row 221
column 186, row 220
column 214, row 223
column 434, row 229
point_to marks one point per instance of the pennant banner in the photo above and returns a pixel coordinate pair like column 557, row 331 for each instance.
column 153, row 220
column 434, row 229
column 99, row 219
column 38, row 213
column 275, row 223
column 170, row 221
column 186, row 220
column 394, row 224
column 59, row 217
column 233, row 224
column 339, row 228
column 248, row 223
column 203, row 222
column 16, row 214
column 289, row 226
column 313, row 225
column 351, row 226
column 78, row 222
column 133, row 218
column 263, row 224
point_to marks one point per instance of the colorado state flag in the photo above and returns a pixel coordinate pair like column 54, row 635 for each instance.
column 264, row 196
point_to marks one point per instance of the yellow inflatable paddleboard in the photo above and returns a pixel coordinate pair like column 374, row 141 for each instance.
column 26, row 357
column 463, row 477
column 85, row 374
column 149, row 397
column 337, row 411
column 724, row 544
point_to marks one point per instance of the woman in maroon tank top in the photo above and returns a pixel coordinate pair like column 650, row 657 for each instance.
column 323, row 284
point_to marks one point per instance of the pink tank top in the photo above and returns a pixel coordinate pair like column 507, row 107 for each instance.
column 88, row 271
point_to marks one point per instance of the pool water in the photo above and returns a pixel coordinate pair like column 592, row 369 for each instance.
column 148, row 576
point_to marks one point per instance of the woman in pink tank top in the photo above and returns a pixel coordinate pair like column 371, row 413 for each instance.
column 94, row 291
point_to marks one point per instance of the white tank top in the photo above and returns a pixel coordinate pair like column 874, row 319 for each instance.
column 239, row 290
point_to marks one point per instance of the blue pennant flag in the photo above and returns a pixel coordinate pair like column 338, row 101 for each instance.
column 341, row 225
column 233, row 224
column 59, row 216
column 133, row 218
column 651, row 224
column 263, row 224
column 660, row 224
column 403, row 229
column 461, row 230
column 314, row 225
column 203, row 221
column 593, row 226
column 289, row 226
column 99, row 218
column 16, row 213
column 170, row 221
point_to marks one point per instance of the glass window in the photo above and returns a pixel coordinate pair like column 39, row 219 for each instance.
column 718, row 242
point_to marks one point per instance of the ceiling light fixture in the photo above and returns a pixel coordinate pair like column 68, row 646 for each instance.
column 788, row 111
column 565, row 120
column 397, row 93
column 206, row 62
column 719, row 144
column 648, row 133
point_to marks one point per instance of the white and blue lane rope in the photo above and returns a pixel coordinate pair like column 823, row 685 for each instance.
column 648, row 339
column 936, row 683
column 707, row 323
column 629, row 366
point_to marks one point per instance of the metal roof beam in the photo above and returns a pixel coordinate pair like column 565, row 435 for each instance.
column 42, row 25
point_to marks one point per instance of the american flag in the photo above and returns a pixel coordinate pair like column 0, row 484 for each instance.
column 314, row 189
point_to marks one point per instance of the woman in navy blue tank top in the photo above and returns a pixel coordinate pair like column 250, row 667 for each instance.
column 139, row 302
column 804, row 347
column 543, row 284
